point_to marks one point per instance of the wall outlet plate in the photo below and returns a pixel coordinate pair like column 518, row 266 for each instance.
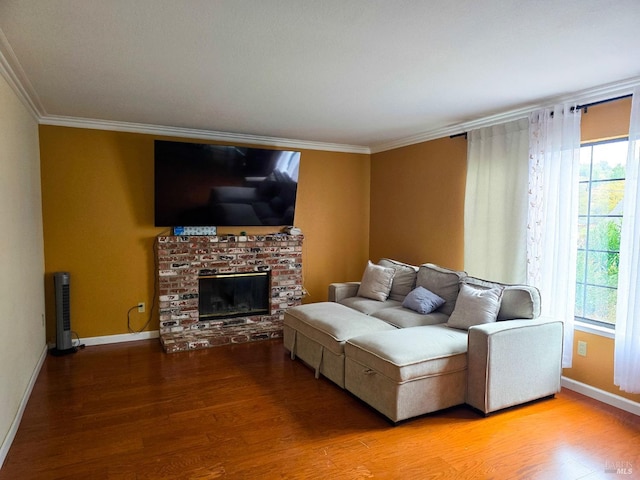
column 582, row 348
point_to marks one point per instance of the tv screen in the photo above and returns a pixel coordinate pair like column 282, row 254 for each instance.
column 216, row 185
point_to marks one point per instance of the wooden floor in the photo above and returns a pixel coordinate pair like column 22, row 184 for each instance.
column 130, row 411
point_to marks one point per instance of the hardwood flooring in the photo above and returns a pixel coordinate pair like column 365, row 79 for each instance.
column 130, row 411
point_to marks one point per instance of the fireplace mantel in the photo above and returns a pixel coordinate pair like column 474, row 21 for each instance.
column 183, row 259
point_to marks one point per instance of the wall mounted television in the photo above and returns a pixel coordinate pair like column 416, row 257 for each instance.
column 218, row 185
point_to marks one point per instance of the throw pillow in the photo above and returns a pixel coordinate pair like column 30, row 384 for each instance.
column 376, row 282
column 475, row 306
column 422, row 300
column 443, row 282
column 404, row 280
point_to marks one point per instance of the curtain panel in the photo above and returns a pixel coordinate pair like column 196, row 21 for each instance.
column 495, row 211
column 552, row 227
column 626, row 373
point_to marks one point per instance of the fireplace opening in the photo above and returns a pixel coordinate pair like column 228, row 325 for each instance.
column 229, row 295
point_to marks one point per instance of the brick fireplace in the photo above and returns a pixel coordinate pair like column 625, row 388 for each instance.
column 183, row 263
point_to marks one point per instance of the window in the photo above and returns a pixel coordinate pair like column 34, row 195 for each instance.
column 602, row 175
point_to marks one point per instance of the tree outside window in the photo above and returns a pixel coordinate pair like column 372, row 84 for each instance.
column 602, row 174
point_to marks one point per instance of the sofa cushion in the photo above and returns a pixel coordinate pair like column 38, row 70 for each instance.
column 422, row 300
column 475, row 306
column 518, row 301
column 404, row 318
column 331, row 324
column 376, row 282
column 410, row 353
column 366, row 305
column 404, row 280
column 441, row 281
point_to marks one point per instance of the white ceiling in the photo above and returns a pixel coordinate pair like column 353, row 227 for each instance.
column 350, row 73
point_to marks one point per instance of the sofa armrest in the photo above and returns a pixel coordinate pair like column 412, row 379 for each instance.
column 513, row 362
column 340, row 291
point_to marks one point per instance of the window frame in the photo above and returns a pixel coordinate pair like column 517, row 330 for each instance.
column 582, row 323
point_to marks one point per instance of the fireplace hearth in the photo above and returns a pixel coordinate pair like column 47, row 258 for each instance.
column 196, row 313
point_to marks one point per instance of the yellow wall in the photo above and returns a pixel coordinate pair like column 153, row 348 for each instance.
column 97, row 196
column 606, row 121
column 417, row 203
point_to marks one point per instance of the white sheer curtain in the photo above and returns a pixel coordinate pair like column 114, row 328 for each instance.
column 495, row 211
column 626, row 372
column 552, row 229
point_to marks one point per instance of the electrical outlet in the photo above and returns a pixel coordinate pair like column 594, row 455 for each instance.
column 141, row 307
column 582, row 348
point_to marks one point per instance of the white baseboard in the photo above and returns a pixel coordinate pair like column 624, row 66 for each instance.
column 602, row 396
column 123, row 337
column 8, row 440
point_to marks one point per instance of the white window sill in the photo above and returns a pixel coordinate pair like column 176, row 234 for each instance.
column 594, row 329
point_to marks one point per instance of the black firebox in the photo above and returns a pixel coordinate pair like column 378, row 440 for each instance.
column 231, row 295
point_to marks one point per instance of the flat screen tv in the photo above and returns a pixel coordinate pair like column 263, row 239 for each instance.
column 216, row 185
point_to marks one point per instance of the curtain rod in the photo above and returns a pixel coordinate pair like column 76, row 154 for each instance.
column 593, row 104
column 577, row 107
column 463, row 134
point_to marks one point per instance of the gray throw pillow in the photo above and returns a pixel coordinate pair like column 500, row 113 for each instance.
column 376, row 282
column 518, row 301
column 422, row 300
column 404, row 280
column 475, row 306
column 441, row 281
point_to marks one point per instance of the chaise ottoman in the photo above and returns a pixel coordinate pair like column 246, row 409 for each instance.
column 408, row 372
column 316, row 333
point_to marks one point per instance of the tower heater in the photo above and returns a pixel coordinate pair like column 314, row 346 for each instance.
column 62, row 284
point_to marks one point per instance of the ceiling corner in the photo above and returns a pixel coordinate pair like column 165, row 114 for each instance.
column 13, row 73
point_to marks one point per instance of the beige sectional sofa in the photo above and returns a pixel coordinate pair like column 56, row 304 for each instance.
column 464, row 340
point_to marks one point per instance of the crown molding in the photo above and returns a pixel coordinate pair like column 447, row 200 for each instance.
column 594, row 94
column 159, row 130
column 589, row 95
column 15, row 76
column 13, row 73
column 453, row 129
